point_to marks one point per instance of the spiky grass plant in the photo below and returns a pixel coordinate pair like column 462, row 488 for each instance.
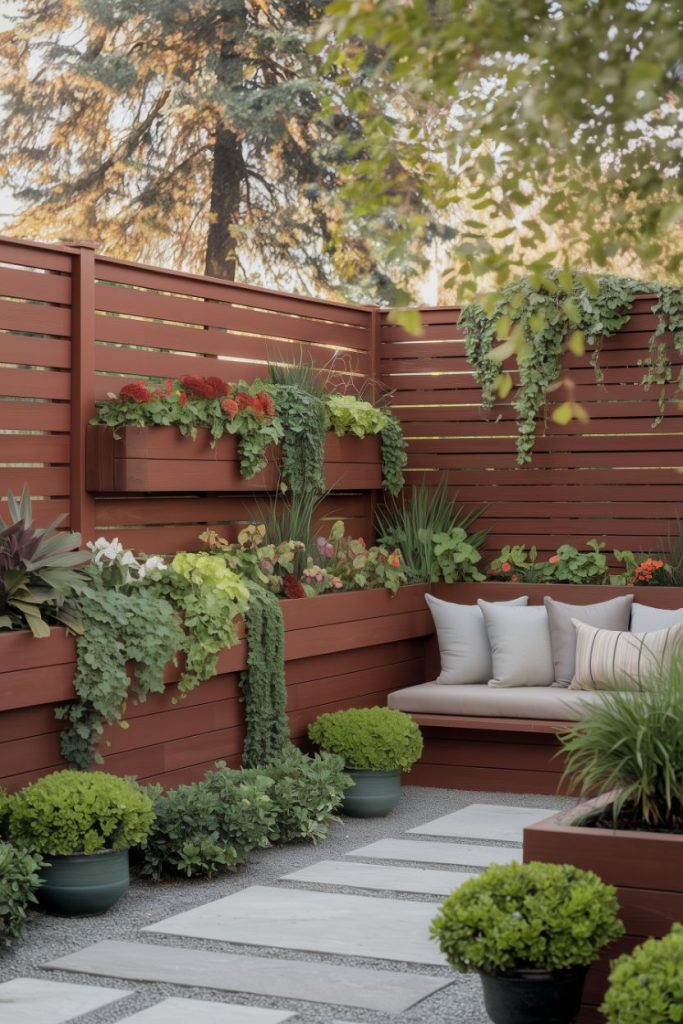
column 631, row 744
column 411, row 522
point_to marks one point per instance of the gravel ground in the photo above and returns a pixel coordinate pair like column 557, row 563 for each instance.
column 47, row 938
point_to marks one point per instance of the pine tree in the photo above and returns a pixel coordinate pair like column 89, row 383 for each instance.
column 187, row 132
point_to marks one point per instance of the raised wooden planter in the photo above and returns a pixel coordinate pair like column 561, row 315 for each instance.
column 149, row 460
column 341, row 650
column 507, row 755
column 646, row 867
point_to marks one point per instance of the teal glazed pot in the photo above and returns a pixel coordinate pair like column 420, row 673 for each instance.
column 84, row 884
column 373, row 795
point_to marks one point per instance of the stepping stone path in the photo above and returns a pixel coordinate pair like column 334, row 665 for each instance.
column 38, row 1001
column 317, row 922
column 298, row 919
column 200, row 1011
column 425, row 852
column 379, row 876
column 485, row 821
column 363, row 988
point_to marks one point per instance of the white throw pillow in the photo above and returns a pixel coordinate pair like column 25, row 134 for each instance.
column 608, row 659
column 520, row 645
column 644, row 619
column 463, row 642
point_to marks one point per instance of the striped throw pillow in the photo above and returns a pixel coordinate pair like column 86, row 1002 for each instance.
column 608, row 659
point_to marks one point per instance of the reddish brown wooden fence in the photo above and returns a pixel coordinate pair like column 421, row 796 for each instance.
column 615, row 477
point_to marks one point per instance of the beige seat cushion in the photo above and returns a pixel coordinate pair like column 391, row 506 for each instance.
column 544, row 702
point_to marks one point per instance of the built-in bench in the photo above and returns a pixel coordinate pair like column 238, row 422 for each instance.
column 502, row 739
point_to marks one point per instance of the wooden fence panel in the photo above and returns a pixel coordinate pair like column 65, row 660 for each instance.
column 617, row 477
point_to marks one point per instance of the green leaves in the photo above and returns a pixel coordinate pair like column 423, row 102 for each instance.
column 542, row 916
column 19, row 880
column 647, row 985
column 375, row 739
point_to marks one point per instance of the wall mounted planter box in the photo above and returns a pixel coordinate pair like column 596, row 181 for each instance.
column 148, row 460
column 342, row 650
column 645, row 867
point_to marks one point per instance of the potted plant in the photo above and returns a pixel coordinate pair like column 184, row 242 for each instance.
column 377, row 744
column 646, row 986
column 82, row 825
column 530, row 931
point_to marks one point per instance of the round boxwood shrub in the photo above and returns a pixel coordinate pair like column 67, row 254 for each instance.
column 79, row 812
column 18, row 882
column 369, row 739
column 646, row 986
column 512, row 916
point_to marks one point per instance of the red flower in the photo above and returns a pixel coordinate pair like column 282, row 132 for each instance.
column 506, row 567
column 220, row 387
column 554, row 559
column 196, row 386
column 292, row 586
column 514, row 577
column 250, row 402
column 230, row 407
column 182, row 398
column 136, row 391
column 266, row 402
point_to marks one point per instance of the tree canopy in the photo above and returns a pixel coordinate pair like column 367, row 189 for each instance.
column 187, row 132
column 545, row 120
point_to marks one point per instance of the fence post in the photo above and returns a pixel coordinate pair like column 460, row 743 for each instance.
column 375, row 369
column 82, row 382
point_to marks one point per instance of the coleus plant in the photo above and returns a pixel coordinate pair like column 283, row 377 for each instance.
column 39, row 574
column 192, row 402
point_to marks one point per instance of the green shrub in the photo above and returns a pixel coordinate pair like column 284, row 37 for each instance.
column 374, row 739
column 646, row 986
column 617, row 747
column 18, row 883
column 212, row 825
column 545, row 916
column 305, row 792
column 79, row 812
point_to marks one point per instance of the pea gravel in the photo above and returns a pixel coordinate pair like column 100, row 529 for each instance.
column 47, row 938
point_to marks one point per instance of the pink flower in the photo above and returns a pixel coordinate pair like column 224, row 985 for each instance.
column 506, row 567
column 329, row 549
column 554, row 559
column 321, row 544
column 336, row 583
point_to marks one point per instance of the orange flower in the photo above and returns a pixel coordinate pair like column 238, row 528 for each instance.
column 230, row 407
column 554, row 559
column 182, row 398
column 394, row 560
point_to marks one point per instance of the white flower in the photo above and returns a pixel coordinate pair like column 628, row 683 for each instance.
column 105, row 551
column 153, row 564
column 128, row 558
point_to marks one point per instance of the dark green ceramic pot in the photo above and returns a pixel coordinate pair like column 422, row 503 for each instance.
column 82, row 884
column 373, row 794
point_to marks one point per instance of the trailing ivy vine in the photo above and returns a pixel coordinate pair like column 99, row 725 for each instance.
column 539, row 321
column 120, row 627
column 303, row 445
column 394, row 455
column 263, row 682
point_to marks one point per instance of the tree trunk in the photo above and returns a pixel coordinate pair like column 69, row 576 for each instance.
column 229, row 170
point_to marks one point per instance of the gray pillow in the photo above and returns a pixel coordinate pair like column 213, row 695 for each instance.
column 645, row 619
column 612, row 614
column 520, row 645
column 463, row 643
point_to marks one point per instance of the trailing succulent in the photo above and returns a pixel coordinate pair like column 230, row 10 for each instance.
column 540, row 320
column 39, row 573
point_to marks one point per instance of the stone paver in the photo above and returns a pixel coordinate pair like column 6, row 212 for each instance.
column 497, row 822
column 42, row 1001
column 423, row 851
column 201, row 1011
column 380, row 877
column 358, row 987
column 317, row 922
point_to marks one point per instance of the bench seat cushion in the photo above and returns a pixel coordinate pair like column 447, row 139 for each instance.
column 544, row 702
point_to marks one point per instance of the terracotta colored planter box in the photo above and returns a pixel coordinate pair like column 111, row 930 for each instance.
column 148, row 460
column 646, row 868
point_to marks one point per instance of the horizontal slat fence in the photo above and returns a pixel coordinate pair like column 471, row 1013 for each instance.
column 614, row 478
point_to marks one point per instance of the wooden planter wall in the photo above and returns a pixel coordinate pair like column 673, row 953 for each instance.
column 342, row 650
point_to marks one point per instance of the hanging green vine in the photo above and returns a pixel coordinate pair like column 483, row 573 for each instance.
column 394, row 455
column 120, row 627
column 539, row 321
column 263, row 683
column 303, row 446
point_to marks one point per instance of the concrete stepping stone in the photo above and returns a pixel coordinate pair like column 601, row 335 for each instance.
column 379, row 876
column 422, row 851
column 41, row 1001
column 497, row 822
column 317, row 922
column 356, row 987
column 201, row 1011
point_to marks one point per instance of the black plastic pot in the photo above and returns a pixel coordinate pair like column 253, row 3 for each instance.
column 534, row 997
column 373, row 794
column 81, row 884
